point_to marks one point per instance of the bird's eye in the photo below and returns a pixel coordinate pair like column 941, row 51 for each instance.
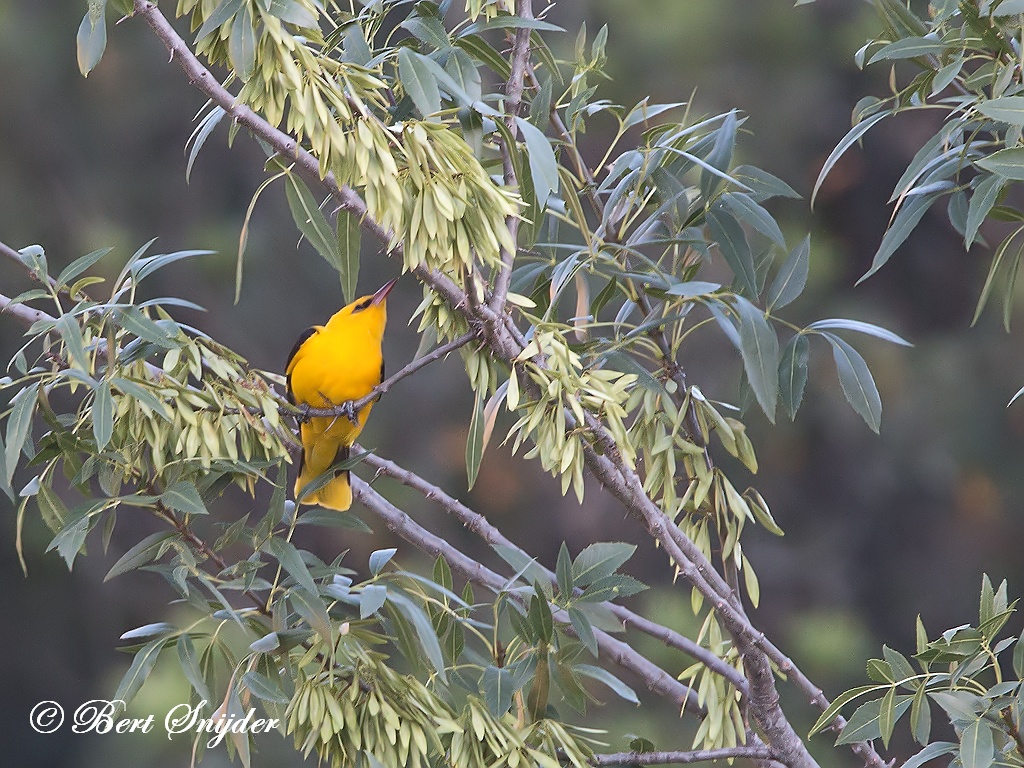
column 363, row 305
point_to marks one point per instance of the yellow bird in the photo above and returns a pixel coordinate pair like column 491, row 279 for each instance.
column 330, row 365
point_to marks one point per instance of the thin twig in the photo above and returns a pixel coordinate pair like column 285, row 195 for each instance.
column 751, row 752
column 341, row 409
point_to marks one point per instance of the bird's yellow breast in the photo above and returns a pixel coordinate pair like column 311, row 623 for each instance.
column 336, row 365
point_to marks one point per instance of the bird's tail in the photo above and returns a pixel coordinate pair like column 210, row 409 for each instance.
column 337, row 493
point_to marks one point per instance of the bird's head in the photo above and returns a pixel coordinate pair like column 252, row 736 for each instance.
column 370, row 309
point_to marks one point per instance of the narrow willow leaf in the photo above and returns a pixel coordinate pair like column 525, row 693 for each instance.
column 606, row 677
column 856, row 381
column 600, row 559
column 190, row 666
column 312, row 610
column 793, row 373
column 18, row 424
column 732, row 243
column 184, row 497
column 746, row 210
column 1007, row 163
column 349, row 238
column 417, row 617
column 984, row 197
column 759, row 347
column 141, row 554
column 887, row 716
column 864, row 724
column 264, row 688
column 909, row 48
column 851, row 138
column 103, row 415
column 543, row 165
column 311, row 221
column 92, row 37
column 221, row 15
column 290, row 559
column 371, row 599
column 497, row 686
column 79, row 265
column 977, row 747
column 791, row 278
column 139, row 670
column 929, row 753
column 860, row 327
column 475, row 441
column 583, row 628
column 380, row 558
column 74, row 344
column 419, row 82
column 720, row 156
column 907, row 218
column 1006, row 109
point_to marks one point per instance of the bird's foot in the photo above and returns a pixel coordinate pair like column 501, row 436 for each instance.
column 347, row 410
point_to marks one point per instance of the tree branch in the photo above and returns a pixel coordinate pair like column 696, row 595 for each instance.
column 753, row 752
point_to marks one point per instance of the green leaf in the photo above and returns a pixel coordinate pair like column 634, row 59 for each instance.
column 380, row 558
column 141, row 554
column 371, row 598
column 921, row 716
column 606, row 677
column 732, row 243
column 291, row 12
column 420, row 622
column 1007, row 163
column 791, row 278
column 1018, row 657
column 266, row 644
column 1006, row 109
column 475, row 441
column 311, row 221
column 71, row 539
column 851, row 138
column 864, row 725
column 482, row 51
column 139, row 670
column 543, row 165
column 600, row 559
column 746, row 210
column 221, row 15
column 762, row 184
column 79, row 265
column 264, row 688
column 929, row 753
column 887, row 716
column 497, row 686
column 720, row 156
column 419, row 82
column 190, row 666
column 141, row 393
column 103, row 415
column 242, row 45
column 856, row 381
column 793, row 373
column 907, row 218
column 290, row 559
column 349, row 238
column 510, row 22
column 540, row 616
column 583, row 628
column 74, row 344
column 92, row 37
column 759, row 346
column 563, row 572
column 184, row 497
column 909, row 48
column 984, row 197
column 312, row 610
column 838, row 703
column 977, row 747
column 860, row 327
column 330, row 518
column 18, row 424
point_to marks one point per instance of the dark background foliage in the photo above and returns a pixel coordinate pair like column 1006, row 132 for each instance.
column 879, row 528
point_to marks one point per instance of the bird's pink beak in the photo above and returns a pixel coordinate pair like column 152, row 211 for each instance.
column 382, row 292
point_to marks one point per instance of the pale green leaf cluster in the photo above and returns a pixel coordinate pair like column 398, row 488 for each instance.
column 961, row 676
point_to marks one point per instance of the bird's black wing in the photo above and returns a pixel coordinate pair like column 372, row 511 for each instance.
column 298, row 345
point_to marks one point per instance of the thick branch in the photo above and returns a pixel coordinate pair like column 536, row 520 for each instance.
column 752, row 752
column 23, row 313
column 616, row 651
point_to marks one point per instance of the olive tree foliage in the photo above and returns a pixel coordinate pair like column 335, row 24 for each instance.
column 963, row 60
column 569, row 282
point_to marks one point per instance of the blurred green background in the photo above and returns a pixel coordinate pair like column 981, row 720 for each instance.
column 879, row 528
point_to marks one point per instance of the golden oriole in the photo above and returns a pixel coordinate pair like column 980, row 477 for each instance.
column 330, row 365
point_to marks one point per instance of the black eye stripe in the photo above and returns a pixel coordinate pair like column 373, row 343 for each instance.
column 363, row 305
